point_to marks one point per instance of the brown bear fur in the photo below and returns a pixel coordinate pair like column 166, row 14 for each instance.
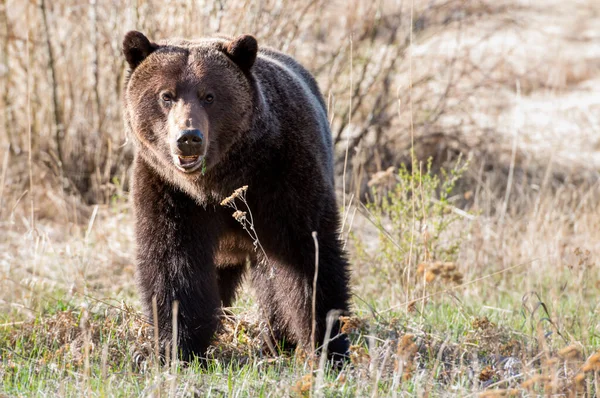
column 263, row 123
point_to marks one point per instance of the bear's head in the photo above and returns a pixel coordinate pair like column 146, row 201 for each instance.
column 187, row 102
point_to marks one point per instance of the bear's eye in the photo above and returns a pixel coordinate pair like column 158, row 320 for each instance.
column 166, row 97
column 209, row 98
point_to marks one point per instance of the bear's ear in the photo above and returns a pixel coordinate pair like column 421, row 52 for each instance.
column 242, row 50
column 136, row 47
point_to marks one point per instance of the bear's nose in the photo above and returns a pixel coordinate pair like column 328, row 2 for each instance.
column 189, row 142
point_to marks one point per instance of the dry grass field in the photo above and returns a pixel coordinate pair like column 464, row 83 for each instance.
column 467, row 140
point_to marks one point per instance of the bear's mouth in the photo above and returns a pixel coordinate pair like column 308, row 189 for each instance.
column 188, row 164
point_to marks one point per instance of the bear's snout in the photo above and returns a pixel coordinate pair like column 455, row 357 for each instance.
column 188, row 150
column 189, row 142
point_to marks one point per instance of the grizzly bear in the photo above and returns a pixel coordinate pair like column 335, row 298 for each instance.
column 208, row 117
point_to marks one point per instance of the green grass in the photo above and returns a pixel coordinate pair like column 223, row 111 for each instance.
column 436, row 311
column 455, row 342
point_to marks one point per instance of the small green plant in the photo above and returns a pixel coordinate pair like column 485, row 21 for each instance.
column 419, row 229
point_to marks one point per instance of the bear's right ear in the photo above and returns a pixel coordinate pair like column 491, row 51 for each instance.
column 242, row 50
column 136, row 47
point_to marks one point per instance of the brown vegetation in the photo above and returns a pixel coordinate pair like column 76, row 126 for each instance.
column 502, row 298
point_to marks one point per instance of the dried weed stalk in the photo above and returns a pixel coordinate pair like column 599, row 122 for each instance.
column 245, row 218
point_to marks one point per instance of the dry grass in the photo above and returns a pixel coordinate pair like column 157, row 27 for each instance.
column 502, row 301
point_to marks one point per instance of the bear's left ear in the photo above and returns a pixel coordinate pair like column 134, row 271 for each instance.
column 242, row 50
column 136, row 47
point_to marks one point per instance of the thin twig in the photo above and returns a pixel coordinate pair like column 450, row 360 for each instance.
column 314, row 296
column 155, row 327
column 6, row 95
column 332, row 317
column 58, row 122
column 29, row 144
column 412, row 153
column 3, row 177
column 513, row 157
column 348, row 138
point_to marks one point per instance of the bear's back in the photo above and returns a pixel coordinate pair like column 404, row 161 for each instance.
column 294, row 89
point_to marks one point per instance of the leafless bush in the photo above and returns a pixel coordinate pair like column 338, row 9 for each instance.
column 396, row 75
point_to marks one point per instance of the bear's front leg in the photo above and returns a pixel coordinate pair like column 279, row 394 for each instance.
column 175, row 262
column 286, row 294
